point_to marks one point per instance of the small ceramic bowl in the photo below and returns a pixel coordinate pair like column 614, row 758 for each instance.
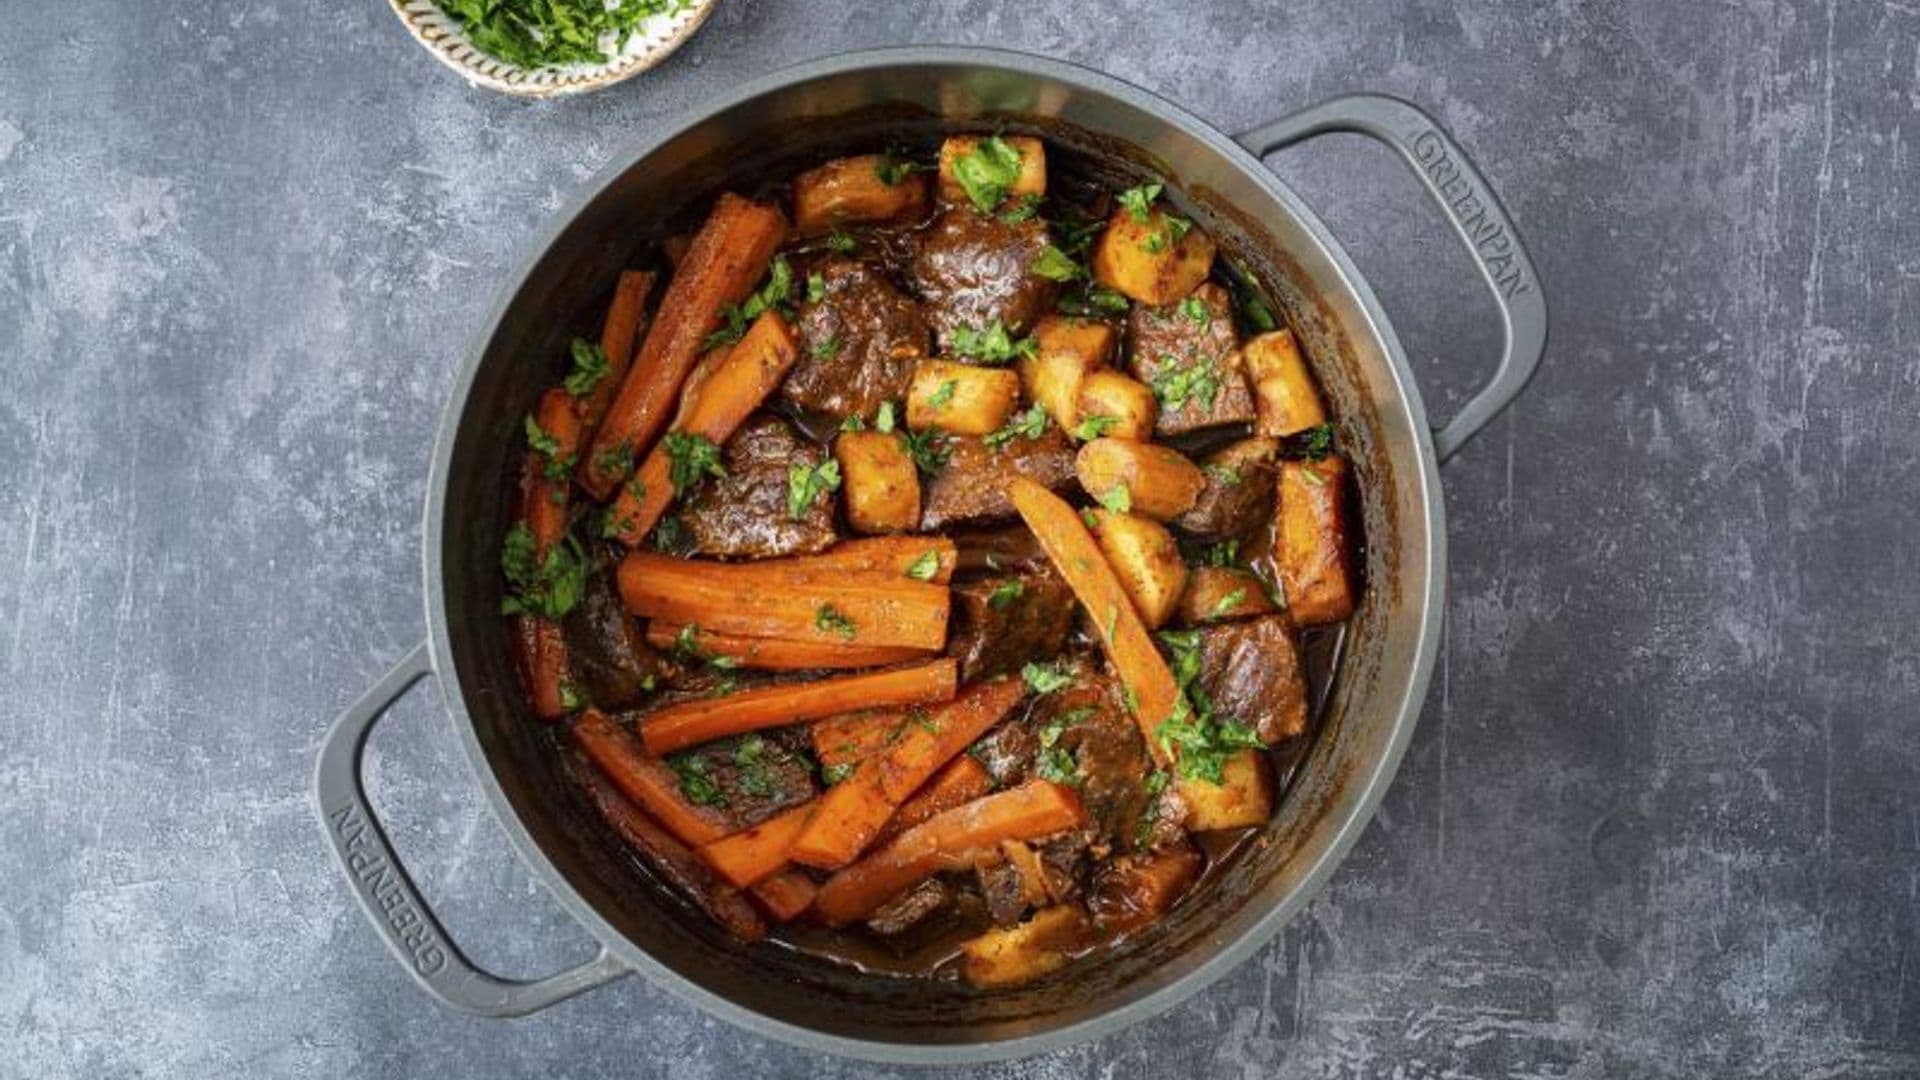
column 440, row 34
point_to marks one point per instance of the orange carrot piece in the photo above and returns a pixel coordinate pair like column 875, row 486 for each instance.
column 853, row 737
column 774, row 654
column 646, row 780
column 725, row 388
column 888, row 555
column 691, row 723
column 543, row 484
column 962, row 781
column 951, row 840
column 786, row 894
column 774, row 599
column 1142, row 671
column 670, row 858
column 727, row 258
column 751, row 855
column 855, row 811
column 934, row 739
column 540, row 653
column 617, row 334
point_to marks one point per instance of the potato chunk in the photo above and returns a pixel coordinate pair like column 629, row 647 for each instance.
column 1218, row 593
column 1242, row 798
column 1157, row 481
column 1147, row 561
column 1030, row 181
column 1066, row 351
column 1146, row 261
column 854, row 190
column 882, row 487
column 1283, row 389
column 1311, row 541
column 964, row 399
column 1124, row 407
column 1023, row 953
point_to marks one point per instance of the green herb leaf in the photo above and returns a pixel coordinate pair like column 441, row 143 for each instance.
column 1139, row 201
column 806, row 483
column 1223, row 474
column 925, row 567
column 826, row 350
column 1174, row 385
column 929, row 449
column 1226, row 603
column 842, row 242
column 853, row 423
column 816, row 287
column 1030, row 424
column 1044, row 679
column 1022, row 208
column 1094, row 426
column 554, row 465
column 771, row 295
column 1317, row 441
column 696, row 783
column 1224, row 553
column 942, row 394
column 1055, row 265
column 833, row 774
column 1006, row 593
column 1094, row 300
column 986, row 171
column 1196, row 311
column 883, row 420
column 691, row 458
column 892, row 169
column 1117, row 499
column 589, row 367
column 536, row 34
column 829, row 618
column 547, row 586
column 991, row 344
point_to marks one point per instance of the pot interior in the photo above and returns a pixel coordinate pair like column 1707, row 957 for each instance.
column 815, row 114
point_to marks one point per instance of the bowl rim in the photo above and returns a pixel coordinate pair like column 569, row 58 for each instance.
column 1372, row 782
column 480, row 68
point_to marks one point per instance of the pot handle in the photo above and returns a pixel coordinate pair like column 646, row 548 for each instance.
column 388, row 895
column 1477, row 216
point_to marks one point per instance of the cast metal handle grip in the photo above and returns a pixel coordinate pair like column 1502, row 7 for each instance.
column 387, row 893
column 1477, row 216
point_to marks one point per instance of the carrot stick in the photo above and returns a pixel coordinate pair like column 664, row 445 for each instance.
column 670, row 858
column 773, row 654
column 727, row 258
column 647, row 780
column 853, row 737
column 693, row 722
column 962, row 781
column 853, row 812
column 948, row 841
column 721, row 393
column 617, row 334
column 541, row 655
column 773, row 599
column 544, row 480
column 751, row 855
column 786, row 894
column 889, row 555
column 1152, row 692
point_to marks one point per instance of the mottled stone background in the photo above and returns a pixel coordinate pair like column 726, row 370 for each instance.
column 1662, row 817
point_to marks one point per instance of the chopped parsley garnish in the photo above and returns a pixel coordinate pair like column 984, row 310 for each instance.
column 990, row 344
column 1094, row 426
column 1317, row 442
column 806, row 483
column 816, row 287
column 771, row 295
column 1022, row 208
column 1226, row 603
column 986, row 171
column 929, row 450
column 691, row 458
column 570, row 696
column 1224, row 553
column 589, row 367
column 1174, row 385
column 555, row 465
column 547, row 586
column 1138, row 201
column 617, row 461
column 942, row 394
column 1006, row 593
column 829, row 618
column 1030, row 424
column 749, row 756
column 1045, row 679
column 1196, row 311
column 853, row 422
column 1143, row 832
column 687, row 648
column 670, row 535
column 1117, row 499
column 833, row 774
column 842, row 242
column 695, row 781
column 826, row 350
column 1224, row 474
column 883, row 420
column 1093, row 301
column 891, row 168
column 547, row 33
column 1253, row 310
column 1199, row 741
column 925, row 567
column 1056, row 762
column 1055, row 265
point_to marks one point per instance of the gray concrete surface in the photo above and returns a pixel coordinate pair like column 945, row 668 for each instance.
column 1662, row 817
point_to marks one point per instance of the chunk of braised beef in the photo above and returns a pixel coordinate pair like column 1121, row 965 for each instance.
column 1188, row 352
column 609, row 656
column 971, row 488
column 1088, row 739
column 1162, row 822
column 1003, row 621
column 905, row 911
column 974, row 269
column 1005, row 891
column 1007, row 751
column 749, row 778
column 1132, row 891
column 1066, row 861
column 745, row 514
column 1239, row 493
column 997, row 547
column 858, row 343
column 1251, row 671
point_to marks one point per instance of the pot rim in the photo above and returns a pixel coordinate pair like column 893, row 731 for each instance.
column 1373, row 783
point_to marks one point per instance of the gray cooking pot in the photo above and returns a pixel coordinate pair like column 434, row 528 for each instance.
column 772, row 126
